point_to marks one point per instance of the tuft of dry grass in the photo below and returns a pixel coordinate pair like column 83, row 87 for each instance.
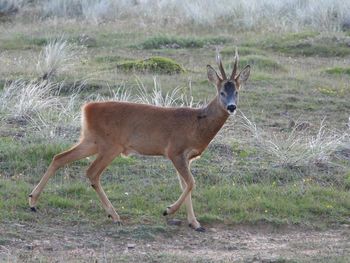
column 22, row 99
column 40, row 106
column 296, row 148
column 56, row 57
column 176, row 97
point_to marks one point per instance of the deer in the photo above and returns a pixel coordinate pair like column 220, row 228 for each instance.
column 181, row 134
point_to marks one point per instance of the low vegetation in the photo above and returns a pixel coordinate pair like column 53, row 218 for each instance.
column 158, row 42
column 159, row 65
column 309, row 44
column 339, row 71
column 56, row 56
column 261, row 62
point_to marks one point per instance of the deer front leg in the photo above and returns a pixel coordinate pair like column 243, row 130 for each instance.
column 181, row 164
column 191, row 218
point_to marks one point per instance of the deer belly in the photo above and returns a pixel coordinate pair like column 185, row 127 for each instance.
column 144, row 149
column 146, row 144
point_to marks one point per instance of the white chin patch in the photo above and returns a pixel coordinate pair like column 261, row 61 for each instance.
column 232, row 113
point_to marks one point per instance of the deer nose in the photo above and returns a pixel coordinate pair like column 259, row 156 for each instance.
column 231, row 108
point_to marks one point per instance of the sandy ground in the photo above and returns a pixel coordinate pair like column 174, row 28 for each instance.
column 262, row 243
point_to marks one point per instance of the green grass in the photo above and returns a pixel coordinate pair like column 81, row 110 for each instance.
column 338, row 71
column 22, row 42
column 242, row 50
column 219, row 197
column 164, row 41
column 32, row 155
column 261, row 62
column 305, row 44
column 289, row 204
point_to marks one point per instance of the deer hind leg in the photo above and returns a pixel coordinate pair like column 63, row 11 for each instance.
column 191, row 218
column 181, row 164
column 84, row 149
column 94, row 172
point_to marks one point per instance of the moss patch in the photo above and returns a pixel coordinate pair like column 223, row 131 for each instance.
column 157, row 42
column 160, row 65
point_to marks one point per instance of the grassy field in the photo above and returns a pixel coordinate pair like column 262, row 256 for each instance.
column 278, row 170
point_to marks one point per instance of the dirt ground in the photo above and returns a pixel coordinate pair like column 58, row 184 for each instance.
column 221, row 243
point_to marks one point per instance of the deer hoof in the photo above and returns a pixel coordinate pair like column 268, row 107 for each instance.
column 198, row 229
column 117, row 222
column 33, row 209
column 165, row 213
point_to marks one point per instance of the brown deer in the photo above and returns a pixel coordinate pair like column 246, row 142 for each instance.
column 180, row 134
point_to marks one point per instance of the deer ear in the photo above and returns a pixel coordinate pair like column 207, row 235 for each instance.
column 212, row 75
column 243, row 76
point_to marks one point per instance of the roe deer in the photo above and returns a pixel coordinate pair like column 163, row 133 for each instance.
column 180, row 134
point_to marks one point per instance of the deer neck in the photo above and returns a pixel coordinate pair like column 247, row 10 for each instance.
column 212, row 117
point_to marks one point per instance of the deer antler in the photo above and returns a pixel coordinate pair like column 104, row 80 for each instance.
column 235, row 65
column 219, row 62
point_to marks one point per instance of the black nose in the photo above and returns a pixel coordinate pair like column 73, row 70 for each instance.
column 231, row 108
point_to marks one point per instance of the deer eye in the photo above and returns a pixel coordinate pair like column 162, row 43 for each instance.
column 222, row 94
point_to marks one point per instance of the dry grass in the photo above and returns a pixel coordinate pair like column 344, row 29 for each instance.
column 177, row 97
column 325, row 15
column 56, row 57
column 22, row 99
column 296, row 147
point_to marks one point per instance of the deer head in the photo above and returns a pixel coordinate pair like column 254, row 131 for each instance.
column 228, row 88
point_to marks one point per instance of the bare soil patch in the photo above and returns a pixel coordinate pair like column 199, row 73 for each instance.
column 81, row 242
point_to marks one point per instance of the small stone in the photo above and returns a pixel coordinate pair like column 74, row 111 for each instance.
column 174, row 222
column 29, row 246
column 131, row 246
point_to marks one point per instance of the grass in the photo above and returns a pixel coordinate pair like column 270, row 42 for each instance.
column 21, row 41
column 21, row 99
column 307, row 44
column 219, row 196
column 261, row 62
column 286, row 204
column 240, row 16
column 295, row 148
column 164, row 41
column 56, row 57
column 338, row 71
column 243, row 51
